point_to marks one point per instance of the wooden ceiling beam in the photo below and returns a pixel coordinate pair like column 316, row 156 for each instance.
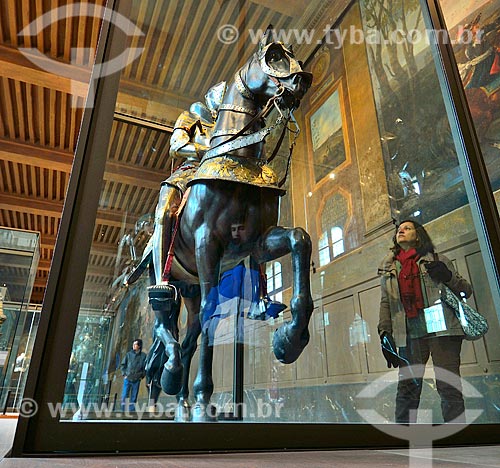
column 45, row 266
column 97, row 248
column 134, row 98
column 114, row 219
column 33, row 155
column 37, row 297
column 107, row 272
column 31, row 205
column 42, row 283
column 47, row 241
column 19, row 281
column 42, row 265
column 95, row 288
column 54, row 209
column 162, row 110
column 293, row 8
column 106, row 250
column 153, row 100
column 57, row 160
column 133, row 175
column 40, row 70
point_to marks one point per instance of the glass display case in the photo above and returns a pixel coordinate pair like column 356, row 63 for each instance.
column 381, row 142
column 474, row 34
column 19, row 256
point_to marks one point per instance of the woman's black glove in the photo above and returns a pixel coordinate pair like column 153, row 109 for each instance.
column 438, row 271
column 389, row 350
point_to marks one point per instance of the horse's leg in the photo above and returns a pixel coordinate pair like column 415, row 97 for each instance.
column 188, row 349
column 155, row 361
column 203, row 385
column 292, row 337
column 165, row 307
column 167, row 331
column 208, row 254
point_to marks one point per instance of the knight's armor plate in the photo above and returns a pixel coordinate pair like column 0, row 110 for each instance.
column 180, row 177
column 237, row 169
column 191, row 127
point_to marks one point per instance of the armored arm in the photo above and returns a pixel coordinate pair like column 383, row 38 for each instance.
column 190, row 138
column 181, row 145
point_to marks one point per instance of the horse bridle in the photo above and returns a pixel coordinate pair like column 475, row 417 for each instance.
column 241, row 139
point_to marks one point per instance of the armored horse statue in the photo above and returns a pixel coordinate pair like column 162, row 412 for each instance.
column 232, row 183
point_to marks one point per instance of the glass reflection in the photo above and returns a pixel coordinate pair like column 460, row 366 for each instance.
column 376, row 146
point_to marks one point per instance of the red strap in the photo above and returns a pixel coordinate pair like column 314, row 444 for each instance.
column 262, row 281
column 170, row 254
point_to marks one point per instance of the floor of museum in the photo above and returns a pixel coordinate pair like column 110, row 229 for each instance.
column 438, row 457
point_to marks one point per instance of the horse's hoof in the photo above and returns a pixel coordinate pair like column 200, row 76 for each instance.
column 171, row 382
column 182, row 413
column 204, row 413
column 288, row 343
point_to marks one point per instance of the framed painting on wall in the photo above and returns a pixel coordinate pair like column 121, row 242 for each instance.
column 326, row 134
column 474, row 28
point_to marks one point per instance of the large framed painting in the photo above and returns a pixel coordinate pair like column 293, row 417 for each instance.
column 474, row 28
column 326, row 134
column 423, row 173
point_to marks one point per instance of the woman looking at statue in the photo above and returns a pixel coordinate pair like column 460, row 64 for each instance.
column 411, row 278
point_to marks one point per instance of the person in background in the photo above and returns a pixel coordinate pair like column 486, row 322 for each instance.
column 411, row 278
column 133, row 369
column 3, row 317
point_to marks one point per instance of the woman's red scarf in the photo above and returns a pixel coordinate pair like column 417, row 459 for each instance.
column 410, row 288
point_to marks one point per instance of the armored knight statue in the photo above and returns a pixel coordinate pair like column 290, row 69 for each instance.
column 228, row 213
column 190, row 140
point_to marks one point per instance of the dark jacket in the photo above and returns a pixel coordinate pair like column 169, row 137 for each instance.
column 392, row 317
column 133, row 366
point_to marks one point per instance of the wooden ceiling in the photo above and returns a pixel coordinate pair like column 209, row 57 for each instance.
column 42, row 104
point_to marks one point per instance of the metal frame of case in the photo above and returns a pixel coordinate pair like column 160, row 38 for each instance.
column 44, row 435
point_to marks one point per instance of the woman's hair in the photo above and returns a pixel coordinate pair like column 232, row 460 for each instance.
column 424, row 243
